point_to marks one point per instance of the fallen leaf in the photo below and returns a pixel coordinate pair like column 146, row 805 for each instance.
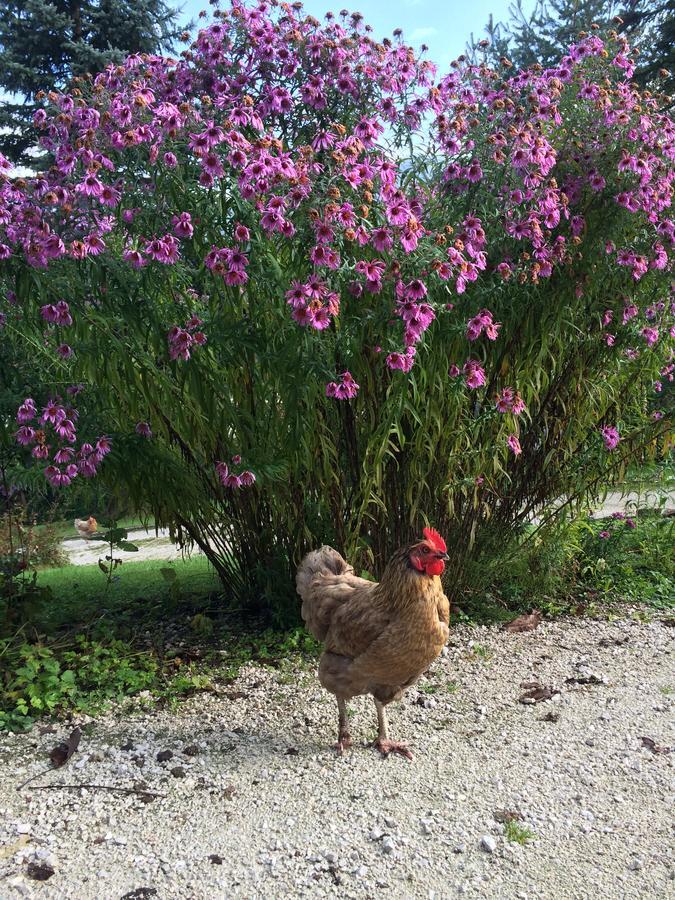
column 550, row 717
column 164, row 755
column 48, row 729
column 526, row 622
column 236, row 695
column 229, row 792
column 62, row 752
column 506, row 815
column 292, row 751
column 535, row 693
column 39, row 871
column 651, row 744
column 216, row 859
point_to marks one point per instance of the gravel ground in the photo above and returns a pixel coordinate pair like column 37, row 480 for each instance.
column 255, row 804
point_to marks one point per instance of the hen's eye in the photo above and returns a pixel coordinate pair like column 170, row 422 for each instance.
column 425, row 549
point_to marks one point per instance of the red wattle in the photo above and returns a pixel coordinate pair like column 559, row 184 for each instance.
column 435, row 567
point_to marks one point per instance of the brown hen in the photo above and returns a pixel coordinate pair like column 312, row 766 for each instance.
column 379, row 637
column 86, row 528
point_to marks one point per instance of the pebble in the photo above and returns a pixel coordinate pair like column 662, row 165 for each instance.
column 488, row 843
column 388, row 845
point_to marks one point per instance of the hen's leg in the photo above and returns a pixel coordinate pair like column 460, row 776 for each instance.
column 344, row 740
column 383, row 742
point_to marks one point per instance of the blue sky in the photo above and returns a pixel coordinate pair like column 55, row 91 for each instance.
column 444, row 25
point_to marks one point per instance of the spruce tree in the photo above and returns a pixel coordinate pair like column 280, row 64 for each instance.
column 45, row 43
column 544, row 35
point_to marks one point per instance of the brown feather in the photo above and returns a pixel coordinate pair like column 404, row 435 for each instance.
column 379, row 637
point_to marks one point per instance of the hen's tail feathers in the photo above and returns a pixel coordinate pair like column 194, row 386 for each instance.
column 321, row 588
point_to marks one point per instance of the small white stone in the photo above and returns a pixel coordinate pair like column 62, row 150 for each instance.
column 19, row 885
column 24, row 828
column 376, row 834
column 488, row 843
column 388, row 845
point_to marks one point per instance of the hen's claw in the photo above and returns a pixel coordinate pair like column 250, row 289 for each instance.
column 385, row 746
column 344, row 742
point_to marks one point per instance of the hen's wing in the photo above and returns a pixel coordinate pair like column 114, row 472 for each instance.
column 358, row 622
column 325, row 581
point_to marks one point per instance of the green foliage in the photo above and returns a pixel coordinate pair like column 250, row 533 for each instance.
column 632, row 564
column 115, row 538
column 40, row 679
column 575, row 567
column 22, row 548
column 109, row 671
column 517, row 833
column 40, row 684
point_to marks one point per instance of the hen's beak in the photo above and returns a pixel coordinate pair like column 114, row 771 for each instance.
column 443, row 556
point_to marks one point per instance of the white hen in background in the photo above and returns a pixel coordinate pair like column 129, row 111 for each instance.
column 86, row 527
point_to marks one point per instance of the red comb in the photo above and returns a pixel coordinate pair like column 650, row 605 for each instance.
column 435, row 539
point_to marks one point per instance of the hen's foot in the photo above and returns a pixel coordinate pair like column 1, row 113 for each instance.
column 344, row 742
column 385, row 746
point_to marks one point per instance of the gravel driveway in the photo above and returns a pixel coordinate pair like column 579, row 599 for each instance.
column 254, row 804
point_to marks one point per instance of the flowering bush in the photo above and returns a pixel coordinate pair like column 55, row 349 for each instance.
column 320, row 292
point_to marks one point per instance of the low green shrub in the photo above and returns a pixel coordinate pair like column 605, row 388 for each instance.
column 621, row 559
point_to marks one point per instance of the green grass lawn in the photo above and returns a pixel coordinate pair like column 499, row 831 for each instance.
column 141, row 592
